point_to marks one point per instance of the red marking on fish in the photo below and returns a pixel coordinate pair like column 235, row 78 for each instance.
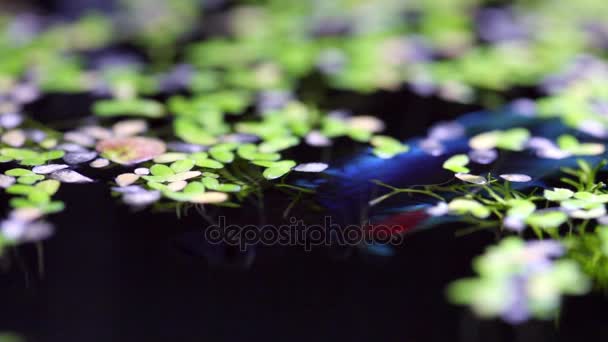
column 398, row 224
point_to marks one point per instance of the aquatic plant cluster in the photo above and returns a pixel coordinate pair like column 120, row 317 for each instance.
column 209, row 115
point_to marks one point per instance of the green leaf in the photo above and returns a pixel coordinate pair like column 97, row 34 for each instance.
column 18, row 153
column 178, row 196
column 211, row 183
column 52, row 207
column 194, row 188
column 18, row 172
column 457, row 163
column 567, row 142
column 387, row 147
column 222, row 156
column 513, row 139
column 129, row 107
column 570, row 144
column 359, row 135
column 198, row 156
column 547, row 219
column 266, row 156
column 20, row 202
column 156, row 185
column 278, row 169
column 182, row 166
column 231, row 101
column 19, row 189
column 170, row 157
column 278, row 144
column 39, row 197
column 33, row 161
column 520, row 208
column 228, row 146
column 50, row 186
column 209, row 163
column 192, row 132
column 161, row 170
column 247, row 151
column 558, row 194
column 333, row 128
column 263, row 163
column 275, row 172
column 29, row 179
column 228, row 188
column 211, row 174
column 52, row 155
column 155, row 179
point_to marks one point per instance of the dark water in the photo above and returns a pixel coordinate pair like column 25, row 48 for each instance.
column 115, row 275
column 111, row 274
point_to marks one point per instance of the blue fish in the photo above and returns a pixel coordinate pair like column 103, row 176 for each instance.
column 352, row 184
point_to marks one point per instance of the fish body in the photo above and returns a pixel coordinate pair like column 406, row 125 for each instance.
column 352, row 184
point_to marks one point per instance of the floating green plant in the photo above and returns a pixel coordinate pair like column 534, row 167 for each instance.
column 129, row 107
column 457, row 163
column 29, row 157
column 518, row 280
column 491, row 295
column 224, row 118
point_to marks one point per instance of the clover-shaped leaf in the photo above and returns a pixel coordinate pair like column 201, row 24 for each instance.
column 223, row 156
column 161, row 170
column 211, row 183
column 558, row 194
column 457, row 163
column 276, row 169
column 182, row 165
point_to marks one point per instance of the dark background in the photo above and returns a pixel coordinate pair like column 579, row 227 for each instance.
column 111, row 274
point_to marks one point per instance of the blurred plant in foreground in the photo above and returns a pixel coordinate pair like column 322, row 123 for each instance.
column 519, row 280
